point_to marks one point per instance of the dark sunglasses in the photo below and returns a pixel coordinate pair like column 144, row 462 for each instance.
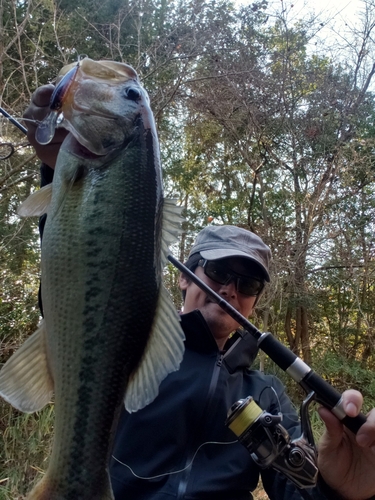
column 247, row 285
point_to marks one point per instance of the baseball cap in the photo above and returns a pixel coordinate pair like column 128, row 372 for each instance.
column 218, row 242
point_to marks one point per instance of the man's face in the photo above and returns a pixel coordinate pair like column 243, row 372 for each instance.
column 219, row 322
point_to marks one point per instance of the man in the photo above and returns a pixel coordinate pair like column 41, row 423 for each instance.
column 178, row 446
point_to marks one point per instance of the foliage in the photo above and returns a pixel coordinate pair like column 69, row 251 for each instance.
column 26, row 442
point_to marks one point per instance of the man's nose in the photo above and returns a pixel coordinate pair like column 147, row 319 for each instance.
column 229, row 288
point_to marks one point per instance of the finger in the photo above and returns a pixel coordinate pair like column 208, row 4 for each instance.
column 334, row 428
column 48, row 153
column 42, row 95
column 366, row 434
column 60, row 134
column 352, row 402
column 39, row 106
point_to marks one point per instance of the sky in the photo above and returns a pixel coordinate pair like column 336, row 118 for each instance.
column 343, row 8
column 338, row 13
column 336, row 25
column 339, row 16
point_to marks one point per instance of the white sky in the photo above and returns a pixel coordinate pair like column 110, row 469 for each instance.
column 339, row 15
column 338, row 30
column 345, row 9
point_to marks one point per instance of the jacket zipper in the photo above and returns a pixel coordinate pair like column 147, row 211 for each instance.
column 211, row 390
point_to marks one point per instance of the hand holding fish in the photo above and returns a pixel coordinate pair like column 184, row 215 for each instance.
column 38, row 110
column 347, row 461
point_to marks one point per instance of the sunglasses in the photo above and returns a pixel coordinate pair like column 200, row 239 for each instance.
column 247, row 285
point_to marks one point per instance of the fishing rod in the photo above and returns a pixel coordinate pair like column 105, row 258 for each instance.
column 13, row 120
column 300, row 372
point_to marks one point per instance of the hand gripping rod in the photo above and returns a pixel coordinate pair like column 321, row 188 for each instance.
column 325, row 394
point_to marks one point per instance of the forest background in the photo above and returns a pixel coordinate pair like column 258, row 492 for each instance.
column 263, row 124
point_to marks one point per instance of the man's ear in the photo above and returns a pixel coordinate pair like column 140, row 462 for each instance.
column 183, row 281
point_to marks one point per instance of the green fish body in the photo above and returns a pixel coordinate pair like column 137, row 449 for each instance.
column 110, row 332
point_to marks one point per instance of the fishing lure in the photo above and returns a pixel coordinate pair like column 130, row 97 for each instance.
column 46, row 129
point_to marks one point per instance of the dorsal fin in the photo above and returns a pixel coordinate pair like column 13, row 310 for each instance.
column 162, row 355
column 165, row 347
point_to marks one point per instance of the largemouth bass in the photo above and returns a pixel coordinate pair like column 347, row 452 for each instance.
column 110, row 331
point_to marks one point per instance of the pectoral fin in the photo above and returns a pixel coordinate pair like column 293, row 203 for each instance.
column 37, row 203
column 25, row 379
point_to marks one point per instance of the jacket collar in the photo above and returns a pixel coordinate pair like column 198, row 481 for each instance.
column 198, row 336
column 240, row 350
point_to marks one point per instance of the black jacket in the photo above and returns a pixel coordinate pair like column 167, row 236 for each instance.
column 178, row 447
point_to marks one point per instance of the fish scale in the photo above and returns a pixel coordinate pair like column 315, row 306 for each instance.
column 110, row 331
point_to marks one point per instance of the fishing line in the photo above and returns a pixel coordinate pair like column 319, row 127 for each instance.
column 274, row 391
column 277, row 397
column 31, row 120
column 176, row 471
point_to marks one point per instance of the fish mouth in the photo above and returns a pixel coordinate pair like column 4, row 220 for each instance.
column 74, row 147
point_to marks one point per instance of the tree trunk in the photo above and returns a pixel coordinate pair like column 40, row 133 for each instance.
column 305, row 337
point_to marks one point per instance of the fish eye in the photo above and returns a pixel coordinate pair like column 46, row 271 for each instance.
column 132, row 94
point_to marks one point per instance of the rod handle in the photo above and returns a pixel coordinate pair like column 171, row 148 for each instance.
column 309, row 380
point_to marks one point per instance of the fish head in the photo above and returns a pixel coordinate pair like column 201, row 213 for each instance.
column 102, row 105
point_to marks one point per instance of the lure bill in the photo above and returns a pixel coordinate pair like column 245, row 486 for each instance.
column 110, row 331
column 46, row 130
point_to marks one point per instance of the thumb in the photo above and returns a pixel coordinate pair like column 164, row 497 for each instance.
column 334, row 430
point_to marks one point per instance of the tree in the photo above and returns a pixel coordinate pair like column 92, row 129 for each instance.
column 283, row 119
